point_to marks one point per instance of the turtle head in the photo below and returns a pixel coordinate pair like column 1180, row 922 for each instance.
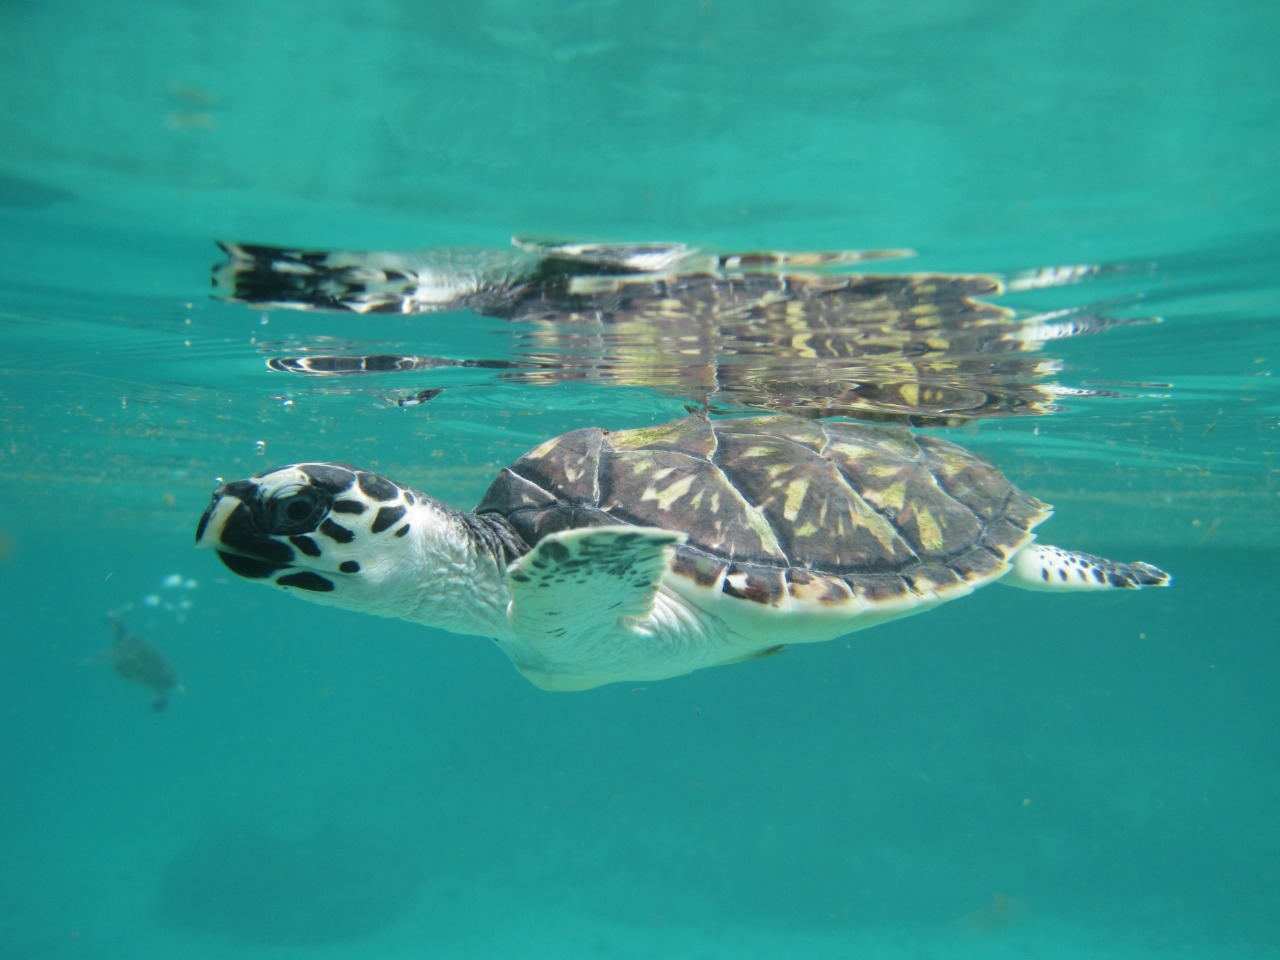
column 329, row 532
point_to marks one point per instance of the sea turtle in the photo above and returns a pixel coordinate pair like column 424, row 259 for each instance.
column 139, row 662
column 642, row 554
column 782, row 332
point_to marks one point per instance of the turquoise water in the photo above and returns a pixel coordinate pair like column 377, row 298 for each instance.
column 1015, row 775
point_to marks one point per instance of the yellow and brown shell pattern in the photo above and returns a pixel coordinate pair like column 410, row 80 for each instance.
column 824, row 512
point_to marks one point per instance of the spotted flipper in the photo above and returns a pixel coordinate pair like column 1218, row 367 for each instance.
column 661, row 257
column 639, row 257
column 1042, row 567
column 582, row 588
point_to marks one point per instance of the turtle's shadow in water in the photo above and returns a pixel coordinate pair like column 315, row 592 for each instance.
column 333, row 885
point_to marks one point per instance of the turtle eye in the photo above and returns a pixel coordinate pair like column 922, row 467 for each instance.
column 297, row 511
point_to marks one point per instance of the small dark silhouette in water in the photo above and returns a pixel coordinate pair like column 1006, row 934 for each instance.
column 139, row 662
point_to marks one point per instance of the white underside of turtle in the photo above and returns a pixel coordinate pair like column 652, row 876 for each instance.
column 664, row 626
column 787, row 537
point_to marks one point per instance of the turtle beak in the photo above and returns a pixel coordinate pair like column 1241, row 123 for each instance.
column 216, row 512
column 228, row 528
column 228, row 496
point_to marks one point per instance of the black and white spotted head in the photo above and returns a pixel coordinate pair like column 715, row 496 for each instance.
column 330, row 532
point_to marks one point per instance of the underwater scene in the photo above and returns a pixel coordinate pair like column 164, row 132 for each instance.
column 477, row 477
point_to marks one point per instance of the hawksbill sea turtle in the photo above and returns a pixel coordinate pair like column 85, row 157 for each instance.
column 643, row 554
column 139, row 662
column 776, row 331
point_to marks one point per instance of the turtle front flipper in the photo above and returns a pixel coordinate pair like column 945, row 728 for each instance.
column 576, row 597
column 654, row 257
column 1042, row 567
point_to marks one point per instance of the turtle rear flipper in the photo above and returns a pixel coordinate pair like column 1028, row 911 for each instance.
column 1043, row 567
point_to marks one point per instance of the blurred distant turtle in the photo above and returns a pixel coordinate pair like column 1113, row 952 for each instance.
column 780, row 331
column 139, row 662
column 636, row 555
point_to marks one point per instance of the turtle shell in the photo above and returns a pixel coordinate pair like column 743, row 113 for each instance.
column 778, row 507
